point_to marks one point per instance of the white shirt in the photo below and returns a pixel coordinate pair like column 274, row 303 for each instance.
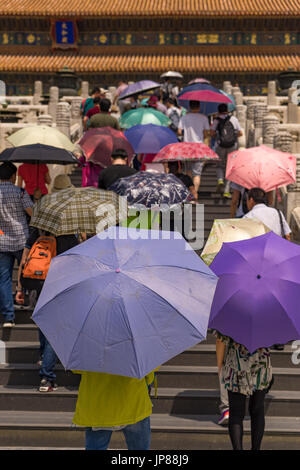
column 270, row 217
column 193, row 125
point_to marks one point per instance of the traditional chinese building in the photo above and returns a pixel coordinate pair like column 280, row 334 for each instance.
column 247, row 42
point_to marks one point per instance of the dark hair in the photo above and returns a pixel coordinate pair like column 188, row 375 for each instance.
column 7, row 170
column 119, row 153
column 97, row 100
column 194, row 104
column 95, row 90
column 105, row 105
column 223, row 108
column 173, row 167
column 258, row 195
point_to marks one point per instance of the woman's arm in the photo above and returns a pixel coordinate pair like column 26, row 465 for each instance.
column 220, row 351
column 47, row 178
column 20, row 181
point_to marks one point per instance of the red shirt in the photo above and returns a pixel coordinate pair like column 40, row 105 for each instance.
column 92, row 111
column 29, row 173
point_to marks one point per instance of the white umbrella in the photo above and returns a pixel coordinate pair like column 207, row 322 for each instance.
column 171, row 74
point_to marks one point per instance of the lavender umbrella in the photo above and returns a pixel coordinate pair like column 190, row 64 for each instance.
column 125, row 303
column 138, row 87
column 258, row 293
column 149, row 138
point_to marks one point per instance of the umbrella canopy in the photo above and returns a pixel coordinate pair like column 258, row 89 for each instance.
column 230, row 230
column 152, row 189
column 199, row 80
column 138, row 87
column 76, row 210
column 205, row 95
column 143, row 116
column 99, row 143
column 205, row 107
column 38, row 153
column 171, row 74
column 261, row 167
column 150, row 138
column 187, row 151
column 41, row 135
column 125, row 305
column 258, row 292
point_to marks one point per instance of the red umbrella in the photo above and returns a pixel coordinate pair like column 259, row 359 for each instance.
column 205, row 95
column 99, row 143
column 187, row 151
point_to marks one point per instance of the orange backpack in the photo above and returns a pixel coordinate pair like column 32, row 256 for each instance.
column 37, row 263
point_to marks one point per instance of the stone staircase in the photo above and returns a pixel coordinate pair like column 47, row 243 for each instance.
column 185, row 412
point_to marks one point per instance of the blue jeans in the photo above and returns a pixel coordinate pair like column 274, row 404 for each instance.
column 7, row 260
column 137, row 437
column 49, row 359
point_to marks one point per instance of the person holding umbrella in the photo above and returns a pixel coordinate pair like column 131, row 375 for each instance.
column 195, row 128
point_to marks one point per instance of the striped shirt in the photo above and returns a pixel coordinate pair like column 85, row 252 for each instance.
column 13, row 222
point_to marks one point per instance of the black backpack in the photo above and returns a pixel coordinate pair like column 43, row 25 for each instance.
column 227, row 136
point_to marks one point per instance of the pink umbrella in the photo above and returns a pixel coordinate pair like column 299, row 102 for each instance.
column 205, row 95
column 199, row 80
column 261, row 167
column 187, row 151
column 99, row 143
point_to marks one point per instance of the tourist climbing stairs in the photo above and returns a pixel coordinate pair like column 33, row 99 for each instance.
column 185, row 412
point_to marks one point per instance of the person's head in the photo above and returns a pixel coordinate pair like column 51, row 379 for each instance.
column 97, row 100
column 255, row 196
column 194, row 106
column 95, row 92
column 8, row 172
column 223, row 108
column 61, row 182
column 119, row 157
column 173, row 167
column 170, row 102
column 105, row 105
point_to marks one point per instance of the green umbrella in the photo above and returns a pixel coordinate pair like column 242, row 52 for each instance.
column 143, row 116
column 41, row 135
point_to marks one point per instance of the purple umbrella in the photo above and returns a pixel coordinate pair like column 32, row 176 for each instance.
column 138, row 87
column 258, row 293
column 149, row 138
column 125, row 301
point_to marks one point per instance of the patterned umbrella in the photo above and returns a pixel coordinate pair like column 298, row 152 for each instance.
column 76, row 210
column 187, row 151
column 99, row 143
column 137, row 88
column 230, row 230
column 152, row 189
column 143, row 116
column 261, row 167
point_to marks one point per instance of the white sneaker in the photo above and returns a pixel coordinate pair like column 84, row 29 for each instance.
column 8, row 324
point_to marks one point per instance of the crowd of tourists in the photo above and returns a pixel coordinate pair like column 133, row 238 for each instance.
column 109, row 402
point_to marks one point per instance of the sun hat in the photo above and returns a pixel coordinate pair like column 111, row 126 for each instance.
column 61, row 182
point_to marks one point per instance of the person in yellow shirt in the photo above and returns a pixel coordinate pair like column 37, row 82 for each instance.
column 108, row 403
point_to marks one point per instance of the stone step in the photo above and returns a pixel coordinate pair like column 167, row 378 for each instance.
column 20, row 332
column 171, row 401
column 201, row 377
column 14, row 352
column 181, row 432
column 187, row 377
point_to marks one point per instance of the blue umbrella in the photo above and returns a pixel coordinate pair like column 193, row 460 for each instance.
column 152, row 189
column 205, row 107
column 138, row 87
column 149, row 138
column 125, row 305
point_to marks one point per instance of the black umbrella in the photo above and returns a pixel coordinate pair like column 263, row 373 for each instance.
column 38, row 153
